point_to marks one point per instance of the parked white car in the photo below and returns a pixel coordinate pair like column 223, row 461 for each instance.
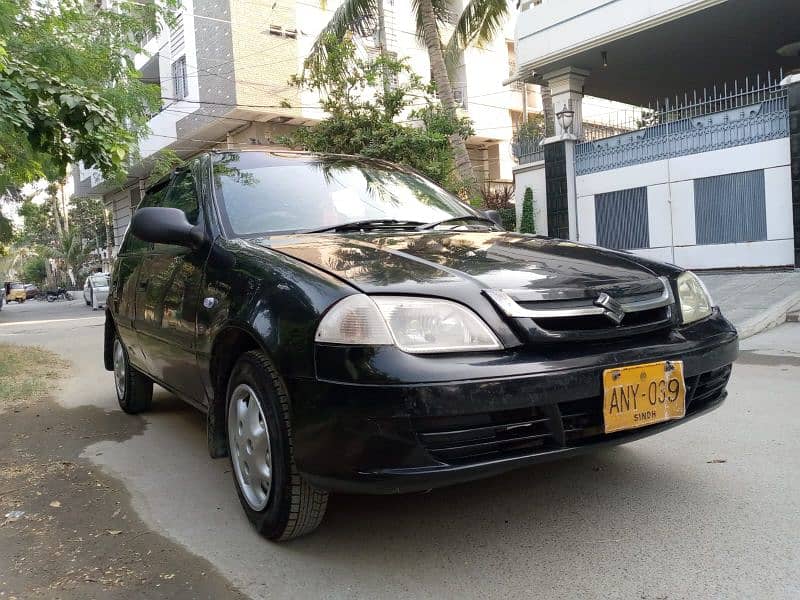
column 95, row 290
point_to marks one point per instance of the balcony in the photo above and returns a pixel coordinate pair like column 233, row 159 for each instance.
column 757, row 112
column 636, row 50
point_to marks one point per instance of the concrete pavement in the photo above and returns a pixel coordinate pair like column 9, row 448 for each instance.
column 707, row 510
column 754, row 301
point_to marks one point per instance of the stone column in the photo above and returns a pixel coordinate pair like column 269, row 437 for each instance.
column 562, row 205
column 566, row 91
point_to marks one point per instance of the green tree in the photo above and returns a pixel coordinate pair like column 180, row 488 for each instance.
column 369, row 125
column 6, row 233
column 72, row 253
column 38, row 224
column 526, row 222
column 478, row 23
column 69, row 91
column 34, row 270
column 87, row 215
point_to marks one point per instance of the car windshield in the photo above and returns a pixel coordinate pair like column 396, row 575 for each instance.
column 99, row 280
column 277, row 193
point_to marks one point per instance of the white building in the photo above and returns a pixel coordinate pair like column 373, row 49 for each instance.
column 708, row 177
column 223, row 71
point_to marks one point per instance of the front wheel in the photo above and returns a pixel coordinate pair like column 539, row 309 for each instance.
column 134, row 389
column 279, row 503
column 51, row 298
column 67, row 295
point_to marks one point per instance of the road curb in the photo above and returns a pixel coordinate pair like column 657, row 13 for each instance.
column 771, row 317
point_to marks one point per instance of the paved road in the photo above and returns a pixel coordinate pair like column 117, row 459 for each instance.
column 708, row 510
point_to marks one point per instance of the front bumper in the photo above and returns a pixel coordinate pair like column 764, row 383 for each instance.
column 380, row 421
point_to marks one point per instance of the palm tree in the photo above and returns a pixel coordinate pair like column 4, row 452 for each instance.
column 478, row 23
column 72, row 252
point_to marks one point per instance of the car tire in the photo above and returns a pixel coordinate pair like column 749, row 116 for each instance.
column 134, row 389
column 289, row 507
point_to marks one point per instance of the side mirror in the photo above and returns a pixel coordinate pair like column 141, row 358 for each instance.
column 494, row 216
column 166, row 226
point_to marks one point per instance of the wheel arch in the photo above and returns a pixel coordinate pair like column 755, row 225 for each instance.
column 229, row 344
column 110, row 332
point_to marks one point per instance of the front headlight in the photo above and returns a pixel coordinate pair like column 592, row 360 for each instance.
column 694, row 298
column 415, row 325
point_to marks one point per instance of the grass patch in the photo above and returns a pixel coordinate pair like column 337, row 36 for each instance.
column 27, row 373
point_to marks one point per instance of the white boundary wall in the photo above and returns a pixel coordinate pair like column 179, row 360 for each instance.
column 532, row 176
column 670, row 205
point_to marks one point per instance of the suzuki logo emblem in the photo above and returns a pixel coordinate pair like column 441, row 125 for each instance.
column 613, row 309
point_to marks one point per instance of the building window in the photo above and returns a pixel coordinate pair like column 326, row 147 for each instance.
column 180, row 79
column 730, row 208
column 621, row 219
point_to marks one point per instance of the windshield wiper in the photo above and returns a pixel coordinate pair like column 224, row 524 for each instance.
column 367, row 224
column 455, row 220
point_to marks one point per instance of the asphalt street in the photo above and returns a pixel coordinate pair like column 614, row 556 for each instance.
column 707, row 510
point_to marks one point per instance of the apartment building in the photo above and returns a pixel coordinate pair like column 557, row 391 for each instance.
column 223, row 68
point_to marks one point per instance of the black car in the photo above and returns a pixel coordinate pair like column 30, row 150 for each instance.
column 348, row 326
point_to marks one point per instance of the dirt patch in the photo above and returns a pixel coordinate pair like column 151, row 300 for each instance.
column 27, row 373
column 67, row 530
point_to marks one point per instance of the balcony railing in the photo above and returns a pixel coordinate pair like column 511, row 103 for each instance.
column 714, row 120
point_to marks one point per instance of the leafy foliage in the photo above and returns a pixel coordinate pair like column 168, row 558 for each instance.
column 164, row 161
column 365, row 119
column 69, row 91
column 526, row 224
column 500, row 199
column 6, row 234
column 87, row 216
column 38, row 223
column 480, row 21
column 34, row 270
column 72, row 252
column 533, row 129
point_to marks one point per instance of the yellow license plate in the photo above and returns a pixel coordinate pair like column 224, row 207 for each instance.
column 642, row 395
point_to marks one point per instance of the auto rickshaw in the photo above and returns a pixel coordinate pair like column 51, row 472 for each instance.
column 15, row 291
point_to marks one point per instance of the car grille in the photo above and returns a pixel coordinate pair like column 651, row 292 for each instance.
column 469, row 438
column 564, row 315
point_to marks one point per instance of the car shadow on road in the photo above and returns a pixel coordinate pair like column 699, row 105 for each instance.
column 573, row 505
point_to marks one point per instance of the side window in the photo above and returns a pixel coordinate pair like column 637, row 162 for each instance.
column 182, row 194
column 153, row 197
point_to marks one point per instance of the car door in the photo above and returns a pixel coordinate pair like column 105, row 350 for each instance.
column 168, row 299
column 124, row 291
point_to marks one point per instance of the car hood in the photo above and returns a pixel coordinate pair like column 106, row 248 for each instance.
column 412, row 262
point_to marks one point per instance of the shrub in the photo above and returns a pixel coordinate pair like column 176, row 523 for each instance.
column 526, row 222
column 509, row 218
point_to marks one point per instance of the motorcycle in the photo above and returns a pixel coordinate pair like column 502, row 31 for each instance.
column 58, row 294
